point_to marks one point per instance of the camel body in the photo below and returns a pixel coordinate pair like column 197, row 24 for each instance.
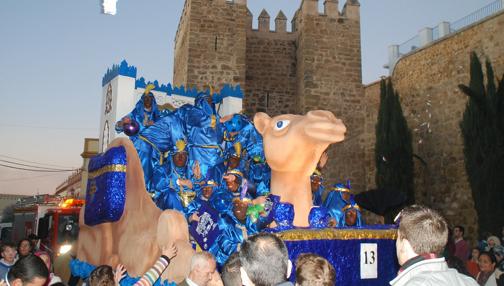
column 136, row 238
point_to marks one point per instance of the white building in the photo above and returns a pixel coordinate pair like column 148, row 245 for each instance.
column 121, row 90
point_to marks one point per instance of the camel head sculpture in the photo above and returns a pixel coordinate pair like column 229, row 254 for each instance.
column 293, row 145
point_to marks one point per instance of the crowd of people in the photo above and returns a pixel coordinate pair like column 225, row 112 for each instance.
column 426, row 253
column 423, row 248
column 26, row 263
column 483, row 261
column 262, row 260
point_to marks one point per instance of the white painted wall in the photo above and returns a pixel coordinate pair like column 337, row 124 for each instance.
column 125, row 96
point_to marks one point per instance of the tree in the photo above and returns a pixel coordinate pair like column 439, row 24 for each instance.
column 482, row 129
column 393, row 149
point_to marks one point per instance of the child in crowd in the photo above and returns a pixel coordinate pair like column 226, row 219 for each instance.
column 312, row 269
column 8, row 258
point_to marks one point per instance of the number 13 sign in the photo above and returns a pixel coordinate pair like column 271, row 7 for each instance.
column 368, row 261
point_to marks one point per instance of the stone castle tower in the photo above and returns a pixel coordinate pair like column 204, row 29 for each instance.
column 316, row 66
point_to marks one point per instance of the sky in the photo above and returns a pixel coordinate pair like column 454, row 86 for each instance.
column 53, row 54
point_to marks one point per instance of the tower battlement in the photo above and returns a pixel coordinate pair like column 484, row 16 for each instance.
column 350, row 9
column 264, row 22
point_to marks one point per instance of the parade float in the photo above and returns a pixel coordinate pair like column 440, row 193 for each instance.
column 202, row 176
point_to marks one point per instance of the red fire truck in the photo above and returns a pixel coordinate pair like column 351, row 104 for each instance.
column 54, row 219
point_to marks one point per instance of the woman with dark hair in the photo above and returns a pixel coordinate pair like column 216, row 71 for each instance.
column 30, row 270
column 472, row 263
column 24, row 248
column 486, row 276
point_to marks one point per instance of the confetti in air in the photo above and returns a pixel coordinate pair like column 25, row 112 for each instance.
column 109, row 7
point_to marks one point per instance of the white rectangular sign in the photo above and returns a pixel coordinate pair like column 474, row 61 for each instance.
column 368, row 261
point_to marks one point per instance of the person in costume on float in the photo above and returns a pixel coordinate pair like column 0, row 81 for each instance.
column 207, row 190
column 239, row 129
column 153, row 145
column 317, row 187
column 351, row 216
column 230, row 188
column 337, row 198
column 236, row 226
column 204, row 133
column 145, row 113
column 317, row 180
column 179, row 193
column 234, row 158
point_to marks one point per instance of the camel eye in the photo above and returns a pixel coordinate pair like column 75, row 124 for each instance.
column 281, row 124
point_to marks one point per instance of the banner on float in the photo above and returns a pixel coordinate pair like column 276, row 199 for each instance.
column 206, row 230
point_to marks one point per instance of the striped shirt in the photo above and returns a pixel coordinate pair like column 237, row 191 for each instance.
column 150, row 277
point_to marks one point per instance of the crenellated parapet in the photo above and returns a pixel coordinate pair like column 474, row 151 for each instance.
column 121, row 69
column 264, row 21
column 281, row 23
column 351, row 9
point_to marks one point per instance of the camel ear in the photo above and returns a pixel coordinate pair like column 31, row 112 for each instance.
column 261, row 122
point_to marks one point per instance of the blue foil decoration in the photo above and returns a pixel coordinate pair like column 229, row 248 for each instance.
column 284, row 216
column 106, row 187
column 318, row 217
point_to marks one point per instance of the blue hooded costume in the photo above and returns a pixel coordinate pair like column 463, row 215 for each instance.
column 239, row 129
column 317, row 195
column 346, row 209
column 204, row 134
column 141, row 115
column 233, row 233
column 174, row 195
column 335, row 202
column 153, row 145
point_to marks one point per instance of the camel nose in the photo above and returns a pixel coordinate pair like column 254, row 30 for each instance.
column 321, row 115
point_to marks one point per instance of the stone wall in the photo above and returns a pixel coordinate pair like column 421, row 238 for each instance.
column 329, row 77
column 216, row 32
column 427, row 82
column 270, row 84
column 182, row 47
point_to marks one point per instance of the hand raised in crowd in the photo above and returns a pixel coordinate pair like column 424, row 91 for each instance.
column 169, row 251
column 119, row 274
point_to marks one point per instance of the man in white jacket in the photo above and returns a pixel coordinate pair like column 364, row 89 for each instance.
column 422, row 235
